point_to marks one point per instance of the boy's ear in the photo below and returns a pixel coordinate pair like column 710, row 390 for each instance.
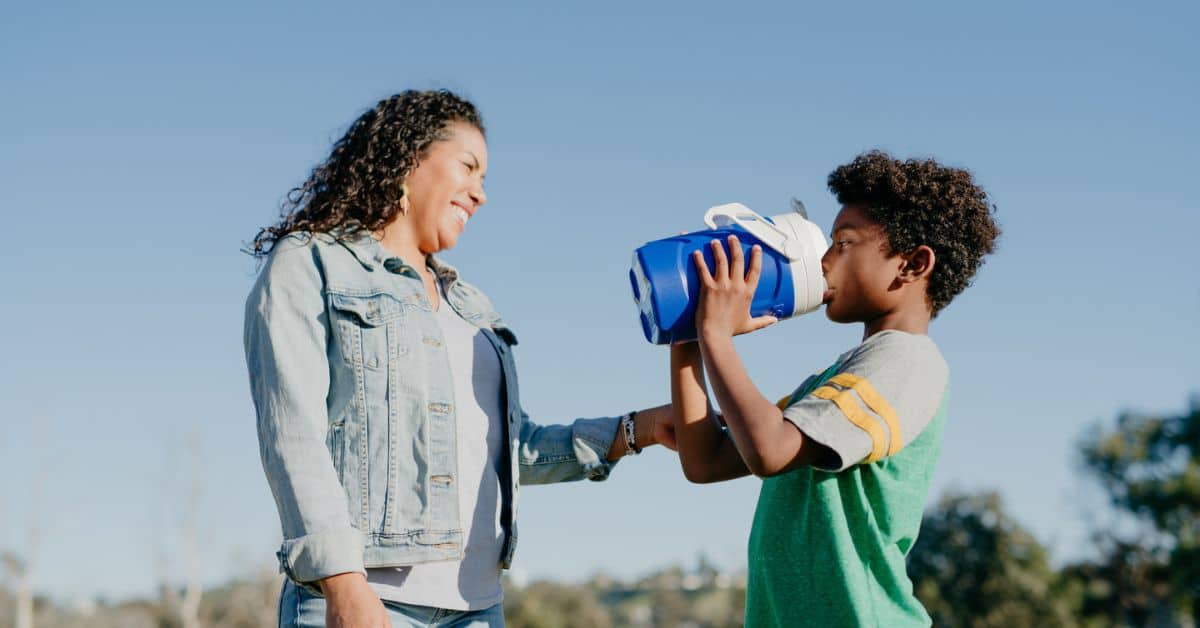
column 918, row 264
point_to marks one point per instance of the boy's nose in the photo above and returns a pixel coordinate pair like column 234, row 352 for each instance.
column 825, row 261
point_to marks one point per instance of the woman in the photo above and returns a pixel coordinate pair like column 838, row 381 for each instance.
column 389, row 423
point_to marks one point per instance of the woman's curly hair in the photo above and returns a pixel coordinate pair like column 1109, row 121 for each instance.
column 919, row 201
column 358, row 188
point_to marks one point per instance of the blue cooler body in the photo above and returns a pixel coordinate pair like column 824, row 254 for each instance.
column 666, row 284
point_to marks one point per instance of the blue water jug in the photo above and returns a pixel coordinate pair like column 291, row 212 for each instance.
column 666, row 285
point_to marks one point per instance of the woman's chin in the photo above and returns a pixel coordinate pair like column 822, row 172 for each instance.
column 447, row 240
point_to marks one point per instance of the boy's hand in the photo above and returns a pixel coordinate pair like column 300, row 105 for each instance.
column 726, row 292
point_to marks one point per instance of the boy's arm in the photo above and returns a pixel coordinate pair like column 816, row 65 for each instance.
column 705, row 452
column 768, row 443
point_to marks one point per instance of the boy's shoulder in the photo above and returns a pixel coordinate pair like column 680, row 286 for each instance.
column 896, row 350
column 907, row 369
column 876, row 399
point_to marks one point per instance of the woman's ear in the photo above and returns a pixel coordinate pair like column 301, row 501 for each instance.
column 918, row 264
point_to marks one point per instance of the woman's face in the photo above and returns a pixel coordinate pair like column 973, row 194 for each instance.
column 445, row 189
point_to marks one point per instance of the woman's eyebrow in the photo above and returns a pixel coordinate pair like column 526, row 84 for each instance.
column 476, row 166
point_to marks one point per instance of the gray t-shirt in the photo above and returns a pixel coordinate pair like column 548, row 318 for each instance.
column 886, row 391
column 474, row 582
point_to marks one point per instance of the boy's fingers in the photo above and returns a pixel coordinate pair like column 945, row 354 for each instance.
column 702, row 268
column 737, row 262
column 755, row 270
column 721, row 270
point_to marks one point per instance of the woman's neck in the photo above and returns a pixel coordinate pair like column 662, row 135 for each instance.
column 399, row 241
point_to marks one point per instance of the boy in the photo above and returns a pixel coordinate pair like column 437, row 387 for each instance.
column 847, row 458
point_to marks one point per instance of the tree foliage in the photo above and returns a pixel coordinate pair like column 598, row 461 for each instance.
column 973, row 565
column 1149, row 467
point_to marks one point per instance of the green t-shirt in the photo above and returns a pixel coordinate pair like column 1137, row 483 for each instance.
column 828, row 545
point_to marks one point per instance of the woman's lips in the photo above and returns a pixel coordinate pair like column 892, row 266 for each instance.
column 461, row 212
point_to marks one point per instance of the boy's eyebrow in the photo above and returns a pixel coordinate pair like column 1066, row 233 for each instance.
column 842, row 227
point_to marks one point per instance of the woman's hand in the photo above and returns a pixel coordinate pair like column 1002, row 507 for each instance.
column 350, row 603
column 727, row 291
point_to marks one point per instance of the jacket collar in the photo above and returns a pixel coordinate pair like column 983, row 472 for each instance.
column 373, row 256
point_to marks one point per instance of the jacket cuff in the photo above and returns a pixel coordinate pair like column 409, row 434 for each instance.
column 322, row 554
column 591, row 439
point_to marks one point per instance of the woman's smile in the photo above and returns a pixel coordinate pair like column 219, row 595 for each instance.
column 461, row 213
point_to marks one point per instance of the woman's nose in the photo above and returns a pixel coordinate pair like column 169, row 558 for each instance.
column 478, row 195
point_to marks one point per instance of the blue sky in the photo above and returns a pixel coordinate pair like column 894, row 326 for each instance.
column 142, row 144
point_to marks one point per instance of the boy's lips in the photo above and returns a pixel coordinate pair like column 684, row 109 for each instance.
column 827, row 297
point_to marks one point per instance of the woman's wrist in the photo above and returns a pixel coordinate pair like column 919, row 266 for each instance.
column 336, row 585
column 645, row 422
column 629, row 433
column 645, row 431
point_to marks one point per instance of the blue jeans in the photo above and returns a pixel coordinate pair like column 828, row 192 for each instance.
column 300, row 609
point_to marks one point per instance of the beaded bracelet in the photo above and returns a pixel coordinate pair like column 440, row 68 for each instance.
column 627, row 426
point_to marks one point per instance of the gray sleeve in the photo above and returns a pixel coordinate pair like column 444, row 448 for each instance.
column 884, row 394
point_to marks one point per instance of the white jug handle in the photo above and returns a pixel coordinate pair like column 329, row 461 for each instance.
column 747, row 219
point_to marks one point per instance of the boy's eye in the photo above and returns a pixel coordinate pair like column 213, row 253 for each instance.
column 841, row 244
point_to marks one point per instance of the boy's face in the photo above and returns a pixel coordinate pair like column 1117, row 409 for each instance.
column 860, row 274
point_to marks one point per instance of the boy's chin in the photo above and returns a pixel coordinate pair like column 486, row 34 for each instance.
column 835, row 316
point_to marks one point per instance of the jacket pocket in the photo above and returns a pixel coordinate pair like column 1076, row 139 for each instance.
column 369, row 328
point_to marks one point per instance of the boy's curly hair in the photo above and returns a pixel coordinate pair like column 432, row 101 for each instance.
column 358, row 187
column 919, row 201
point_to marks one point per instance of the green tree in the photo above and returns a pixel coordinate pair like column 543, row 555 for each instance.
column 974, row 566
column 1150, row 468
column 1126, row 587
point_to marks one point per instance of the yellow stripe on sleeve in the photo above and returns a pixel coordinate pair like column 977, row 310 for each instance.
column 845, row 402
column 782, row 404
column 877, row 404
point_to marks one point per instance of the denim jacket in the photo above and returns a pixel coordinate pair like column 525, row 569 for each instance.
column 356, row 418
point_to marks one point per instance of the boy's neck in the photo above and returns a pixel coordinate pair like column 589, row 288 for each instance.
column 910, row 320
